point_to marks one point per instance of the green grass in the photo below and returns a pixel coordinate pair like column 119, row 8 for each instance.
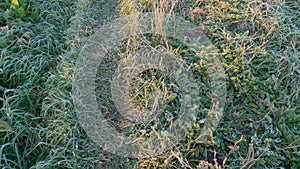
column 259, row 48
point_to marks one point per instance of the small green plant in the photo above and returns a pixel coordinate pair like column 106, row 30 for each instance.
column 19, row 11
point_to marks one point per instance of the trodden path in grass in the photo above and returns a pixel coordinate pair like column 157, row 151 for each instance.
column 72, row 147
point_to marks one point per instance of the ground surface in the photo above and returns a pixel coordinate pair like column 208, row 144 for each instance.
column 258, row 44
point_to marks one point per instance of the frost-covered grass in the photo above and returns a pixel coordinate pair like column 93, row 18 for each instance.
column 259, row 46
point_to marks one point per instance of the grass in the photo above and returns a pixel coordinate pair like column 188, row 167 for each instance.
column 258, row 42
